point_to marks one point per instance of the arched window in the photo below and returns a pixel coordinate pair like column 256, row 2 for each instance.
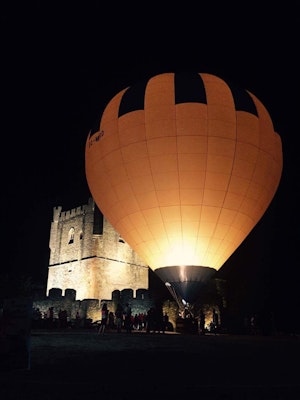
column 71, row 236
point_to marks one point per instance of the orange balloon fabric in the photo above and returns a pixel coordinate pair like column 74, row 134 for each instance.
column 184, row 166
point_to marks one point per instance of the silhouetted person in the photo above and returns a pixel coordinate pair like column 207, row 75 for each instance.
column 119, row 317
column 165, row 322
column 111, row 320
column 254, row 324
column 215, row 321
column 160, row 321
column 127, row 318
column 150, row 320
column 104, row 318
column 50, row 317
column 62, row 319
column 202, row 322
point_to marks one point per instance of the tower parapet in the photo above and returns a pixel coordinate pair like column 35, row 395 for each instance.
column 89, row 256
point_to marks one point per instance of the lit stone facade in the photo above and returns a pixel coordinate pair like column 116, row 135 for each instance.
column 89, row 256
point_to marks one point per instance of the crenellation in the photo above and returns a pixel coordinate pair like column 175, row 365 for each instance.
column 89, row 309
column 92, row 265
column 56, row 213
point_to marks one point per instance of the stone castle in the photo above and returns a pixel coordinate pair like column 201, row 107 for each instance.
column 89, row 256
column 90, row 263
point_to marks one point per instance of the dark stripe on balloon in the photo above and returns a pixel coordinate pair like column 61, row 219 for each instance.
column 96, row 125
column 189, row 88
column 242, row 100
column 133, row 98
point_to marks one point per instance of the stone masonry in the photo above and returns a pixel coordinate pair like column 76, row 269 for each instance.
column 89, row 256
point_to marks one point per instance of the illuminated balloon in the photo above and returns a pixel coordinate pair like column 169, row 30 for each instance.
column 184, row 166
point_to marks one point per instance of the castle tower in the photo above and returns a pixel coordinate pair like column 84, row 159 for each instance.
column 89, row 256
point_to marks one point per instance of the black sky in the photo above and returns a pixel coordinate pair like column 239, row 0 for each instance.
column 61, row 64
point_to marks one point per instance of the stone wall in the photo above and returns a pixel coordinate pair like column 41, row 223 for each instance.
column 89, row 309
column 89, row 256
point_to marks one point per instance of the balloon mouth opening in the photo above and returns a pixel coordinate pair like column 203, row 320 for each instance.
column 184, row 273
column 185, row 282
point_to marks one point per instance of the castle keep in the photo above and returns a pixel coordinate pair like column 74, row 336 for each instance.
column 89, row 256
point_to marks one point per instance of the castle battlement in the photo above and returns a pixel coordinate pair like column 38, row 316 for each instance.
column 60, row 216
column 87, row 255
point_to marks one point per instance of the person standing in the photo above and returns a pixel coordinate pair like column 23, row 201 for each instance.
column 119, row 317
column 165, row 322
column 202, row 322
column 104, row 318
column 127, row 318
column 215, row 321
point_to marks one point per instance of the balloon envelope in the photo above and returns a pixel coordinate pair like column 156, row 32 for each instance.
column 184, row 166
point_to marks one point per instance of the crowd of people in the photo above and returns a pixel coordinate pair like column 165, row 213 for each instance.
column 122, row 319
column 153, row 321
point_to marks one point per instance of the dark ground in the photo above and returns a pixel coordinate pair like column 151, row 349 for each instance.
column 83, row 365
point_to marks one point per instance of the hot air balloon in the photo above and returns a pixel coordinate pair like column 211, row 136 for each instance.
column 184, row 165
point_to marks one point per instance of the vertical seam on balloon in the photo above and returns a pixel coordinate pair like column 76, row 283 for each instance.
column 201, row 211
column 166, row 232
column 229, row 182
column 258, row 152
column 211, row 237
column 119, row 143
column 232, row 165
column 155, row 189
column 176, row 135
column 204, row 186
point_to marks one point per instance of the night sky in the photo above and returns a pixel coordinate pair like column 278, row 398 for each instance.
column 60, row 65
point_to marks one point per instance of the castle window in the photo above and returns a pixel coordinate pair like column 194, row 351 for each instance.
column 71, row 236
column 81, row 235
